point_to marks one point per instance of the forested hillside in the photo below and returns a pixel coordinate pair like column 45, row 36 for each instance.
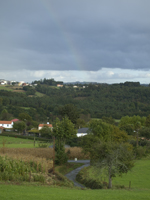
column 98, row 100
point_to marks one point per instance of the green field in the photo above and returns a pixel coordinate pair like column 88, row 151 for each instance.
column 29, row 192
column 12, row 142
column 139, row 175
column 6, row 88
column 38, row 94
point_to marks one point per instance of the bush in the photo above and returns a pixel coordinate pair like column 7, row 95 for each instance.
column 89, row 182
column 74, row 142
column 61, row 157
column 42, row 145
column 140, row 152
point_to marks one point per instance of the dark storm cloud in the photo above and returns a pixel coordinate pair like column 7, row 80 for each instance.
column 56, row 34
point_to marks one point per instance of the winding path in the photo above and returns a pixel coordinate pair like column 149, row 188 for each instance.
column 72, row 175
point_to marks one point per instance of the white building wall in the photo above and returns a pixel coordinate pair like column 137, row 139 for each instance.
column 7, row 125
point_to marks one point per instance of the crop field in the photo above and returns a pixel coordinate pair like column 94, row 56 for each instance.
column 74, row 152
column 14, row 145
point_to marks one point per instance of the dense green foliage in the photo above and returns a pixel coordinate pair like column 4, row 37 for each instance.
column 62, row 130
column 108, row 149
column 98, row 100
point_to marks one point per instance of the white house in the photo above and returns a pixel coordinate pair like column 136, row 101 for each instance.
column 7, row 125
column 82, row 132
column 43, row 125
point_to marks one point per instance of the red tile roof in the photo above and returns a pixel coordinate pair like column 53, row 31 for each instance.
column 15, row 120
column 49, row 125
column 5, row 122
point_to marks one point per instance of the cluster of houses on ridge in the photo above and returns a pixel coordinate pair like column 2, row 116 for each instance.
column 8, row 126
column 22, row 83
column 16, row 83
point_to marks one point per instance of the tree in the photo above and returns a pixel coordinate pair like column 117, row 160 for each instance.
column 70, row 111
column 137, row 127
column 108, row 120
column 145, row 132
column 80, row 123
column 100, row 129
column 46, row 131
column 107, row 147
column 111, row 157
column 19, row 126
column 5, row 115
column 25, row 117
column 106, row 132
column 128, row 128
column 62, row 130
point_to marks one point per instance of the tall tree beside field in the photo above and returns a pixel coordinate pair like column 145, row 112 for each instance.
column 62, row 130
column 108, row 148
column 114, row 158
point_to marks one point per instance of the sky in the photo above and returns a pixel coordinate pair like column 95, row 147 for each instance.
column 105, row 41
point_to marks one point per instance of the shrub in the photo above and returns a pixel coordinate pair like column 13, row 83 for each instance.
column 89, row 182
column 140, row 152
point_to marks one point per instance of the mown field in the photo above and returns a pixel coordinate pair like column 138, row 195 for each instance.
column 15, row 142
column 139, row 176
column 30, row 192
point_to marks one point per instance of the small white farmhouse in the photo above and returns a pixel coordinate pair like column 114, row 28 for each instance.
column 82, row 132
column 42, row 125
column 7, row 125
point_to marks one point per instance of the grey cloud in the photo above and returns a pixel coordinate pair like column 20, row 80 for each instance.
column 56, row 35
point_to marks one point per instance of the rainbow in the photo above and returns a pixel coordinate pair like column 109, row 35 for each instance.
column 65, row 35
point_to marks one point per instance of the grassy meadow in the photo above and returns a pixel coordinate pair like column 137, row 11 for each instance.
column 18, row 89
column 139, row 176
column 12, row 142
column 30, row 192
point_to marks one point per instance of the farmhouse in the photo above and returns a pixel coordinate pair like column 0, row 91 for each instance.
column 43, row 125
column 7, row 125
column 82, row 132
